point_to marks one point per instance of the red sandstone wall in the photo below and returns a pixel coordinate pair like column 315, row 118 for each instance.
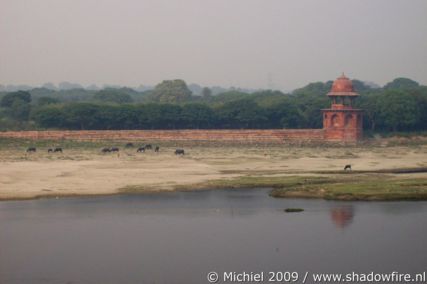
column 250, row 136
column 342, row 129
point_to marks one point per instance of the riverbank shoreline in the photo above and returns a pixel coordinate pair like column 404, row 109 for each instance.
column 289, row 187
column 379, row 173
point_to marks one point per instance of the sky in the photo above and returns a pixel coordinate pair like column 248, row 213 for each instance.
column 277, row 44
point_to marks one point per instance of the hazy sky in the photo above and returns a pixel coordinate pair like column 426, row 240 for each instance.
column 242, row 43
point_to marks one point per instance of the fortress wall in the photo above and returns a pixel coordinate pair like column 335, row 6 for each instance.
column 248, row 136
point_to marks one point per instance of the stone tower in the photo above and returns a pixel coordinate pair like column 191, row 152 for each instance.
column 342, row 122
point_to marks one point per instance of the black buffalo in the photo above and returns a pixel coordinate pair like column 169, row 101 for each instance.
column 129, row 145
column 105, row 150
column 50, row 150
column 179, row 152
column 148, row 147
column 347, row 167
column 157, row 149
column 57, row 149
column 114, row 149
column 140, row 150
column 31, row 149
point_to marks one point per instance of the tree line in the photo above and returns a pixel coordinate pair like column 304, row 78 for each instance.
column 400, row 105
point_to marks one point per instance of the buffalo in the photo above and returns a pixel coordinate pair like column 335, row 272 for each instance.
column 157, row 149
column 114, row 149
column 140, row 150
column 105, row 150
column 148, row 147
column 31, row 149
column 347, row 167
column 50, row 150
column 129, row 145
column 179, row 152
column 57, row 149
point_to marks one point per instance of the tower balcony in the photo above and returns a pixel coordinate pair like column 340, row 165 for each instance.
column 341, row 107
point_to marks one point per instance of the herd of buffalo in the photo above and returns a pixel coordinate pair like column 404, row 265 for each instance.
column 141, row 149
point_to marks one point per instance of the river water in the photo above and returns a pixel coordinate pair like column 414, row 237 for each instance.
column 179, row 237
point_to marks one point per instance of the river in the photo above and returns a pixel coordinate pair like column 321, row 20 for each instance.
column 179, row 237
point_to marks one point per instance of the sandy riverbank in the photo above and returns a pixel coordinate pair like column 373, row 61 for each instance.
column 83, row 171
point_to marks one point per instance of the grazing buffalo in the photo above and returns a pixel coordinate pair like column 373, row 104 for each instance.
column 31, row 149
column 347, row 167
column 148, row 147
column 105, row 150
column 140, row 150
column 50, row 150
column 114, row 149
column 57, row 149
column 157, row 149
column 179, row 152
column 129, row 145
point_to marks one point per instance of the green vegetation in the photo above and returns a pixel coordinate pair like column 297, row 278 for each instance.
column 171, row 91
column 358, row 188
column 354, row 187
column 112, row 96
column 16, row 105
column 400, row 105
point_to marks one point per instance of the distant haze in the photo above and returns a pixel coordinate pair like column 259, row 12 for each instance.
column 244, row 43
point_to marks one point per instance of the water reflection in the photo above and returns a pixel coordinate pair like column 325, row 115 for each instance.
column 342, row 216
column 178, row 237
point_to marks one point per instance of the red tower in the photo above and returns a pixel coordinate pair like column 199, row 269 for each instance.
column 342, row 122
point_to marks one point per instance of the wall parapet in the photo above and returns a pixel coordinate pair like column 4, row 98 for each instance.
column 246, row 135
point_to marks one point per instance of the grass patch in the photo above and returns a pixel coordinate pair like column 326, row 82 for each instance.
column 355, row 187
column 380, row 171
column 362, row 188
column 258, row 181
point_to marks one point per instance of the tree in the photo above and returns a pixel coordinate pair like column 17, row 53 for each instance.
column 420, row 95
column 17, row 105
column 19, row 110
column 398, row 110
column 241, row 114
column 171, row 91
column 113, row 96
column 285, row 115
column 10, row 98
column 42, row 101
column 401, row 84
column 370, row 104
column 49, row 117
column 317, row 88
column 82, row 116
column 310, row 105
column 360, row 86
column 197, row 116
column 206, row 92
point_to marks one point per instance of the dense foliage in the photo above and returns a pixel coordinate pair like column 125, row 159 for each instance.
column 400, row 105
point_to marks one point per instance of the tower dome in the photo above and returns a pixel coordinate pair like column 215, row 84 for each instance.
column 342, row 84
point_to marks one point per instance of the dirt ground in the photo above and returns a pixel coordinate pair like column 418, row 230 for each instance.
column 89, row 172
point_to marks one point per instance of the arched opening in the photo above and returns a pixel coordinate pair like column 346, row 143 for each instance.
column 335, row 121
column 348, row 120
